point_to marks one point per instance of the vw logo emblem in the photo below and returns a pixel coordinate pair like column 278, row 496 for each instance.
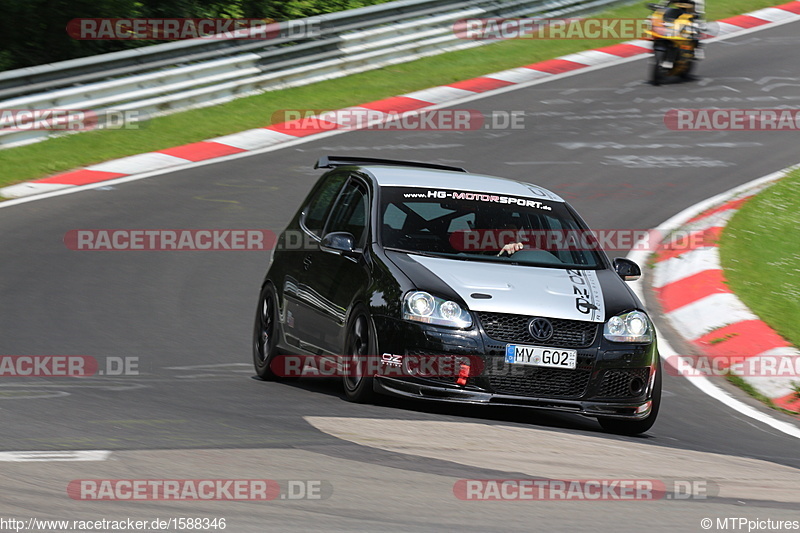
column 540, row 329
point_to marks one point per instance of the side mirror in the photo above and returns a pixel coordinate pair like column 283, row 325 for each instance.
column 627, row 269
column 339, row 242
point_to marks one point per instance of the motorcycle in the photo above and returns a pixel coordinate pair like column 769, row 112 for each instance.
column 675, row 35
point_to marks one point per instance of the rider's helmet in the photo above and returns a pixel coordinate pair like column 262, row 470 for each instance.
column 688, row 6
column 677, row 8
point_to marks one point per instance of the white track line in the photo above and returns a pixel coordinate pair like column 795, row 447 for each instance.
column 70, row 455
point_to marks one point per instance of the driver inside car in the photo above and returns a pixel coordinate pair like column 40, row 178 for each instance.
column 511, row 248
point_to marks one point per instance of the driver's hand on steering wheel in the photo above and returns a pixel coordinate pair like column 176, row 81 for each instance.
column 510, row 248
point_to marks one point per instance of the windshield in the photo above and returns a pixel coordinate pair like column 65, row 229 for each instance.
column 475, row 226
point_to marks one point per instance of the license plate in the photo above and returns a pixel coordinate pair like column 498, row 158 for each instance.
column 519, row 354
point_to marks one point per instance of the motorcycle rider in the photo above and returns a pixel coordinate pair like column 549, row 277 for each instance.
column 696, row 8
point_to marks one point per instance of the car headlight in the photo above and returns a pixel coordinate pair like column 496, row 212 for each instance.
column 629, row 327
column 423, row 307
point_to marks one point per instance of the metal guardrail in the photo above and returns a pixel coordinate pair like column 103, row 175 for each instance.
column 165, row 78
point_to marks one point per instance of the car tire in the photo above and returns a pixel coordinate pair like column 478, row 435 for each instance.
column 265, row 333
column 636, row 427
column 359, row 346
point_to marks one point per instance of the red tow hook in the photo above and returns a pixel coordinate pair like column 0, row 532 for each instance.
column 463, row 374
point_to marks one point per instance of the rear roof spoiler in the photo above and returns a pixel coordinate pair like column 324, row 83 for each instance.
column 333, row 161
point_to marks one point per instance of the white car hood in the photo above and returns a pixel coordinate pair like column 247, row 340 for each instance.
column 522, row 290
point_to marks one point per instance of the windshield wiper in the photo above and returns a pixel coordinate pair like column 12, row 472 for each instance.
column 417, row 252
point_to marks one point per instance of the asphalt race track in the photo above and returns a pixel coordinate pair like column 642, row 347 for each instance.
column 195, row 410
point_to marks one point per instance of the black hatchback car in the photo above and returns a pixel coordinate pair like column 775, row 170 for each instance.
column 398, row 260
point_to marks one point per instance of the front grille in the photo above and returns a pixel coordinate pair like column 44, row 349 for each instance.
column 617, row 382
column 541, row 381
column 507, row 327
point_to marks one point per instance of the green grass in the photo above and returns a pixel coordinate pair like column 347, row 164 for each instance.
column 760, row 252
column 72, row 151
column 718, row 340
column 752, row 391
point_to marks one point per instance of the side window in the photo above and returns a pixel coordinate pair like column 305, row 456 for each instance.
column 320, row 205
column 350, row 213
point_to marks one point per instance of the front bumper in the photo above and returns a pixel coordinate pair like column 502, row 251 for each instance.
column 411, row 389
column 612, row 380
